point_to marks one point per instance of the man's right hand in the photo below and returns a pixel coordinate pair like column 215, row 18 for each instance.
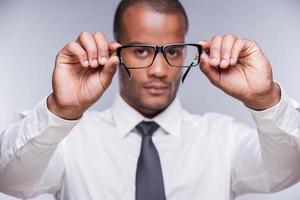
column 83, row 71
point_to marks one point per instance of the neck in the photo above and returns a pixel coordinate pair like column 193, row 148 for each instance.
column 147, row 112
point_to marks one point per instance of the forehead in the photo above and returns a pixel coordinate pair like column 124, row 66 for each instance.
column 144, row 25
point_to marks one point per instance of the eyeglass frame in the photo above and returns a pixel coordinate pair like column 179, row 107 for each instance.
column 159, row 49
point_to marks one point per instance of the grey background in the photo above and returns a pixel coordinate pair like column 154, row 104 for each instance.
column 32, row 32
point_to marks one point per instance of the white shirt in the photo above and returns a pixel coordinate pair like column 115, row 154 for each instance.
column 208, row 157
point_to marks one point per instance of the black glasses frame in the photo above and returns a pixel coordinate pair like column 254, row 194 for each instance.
column 160, row 49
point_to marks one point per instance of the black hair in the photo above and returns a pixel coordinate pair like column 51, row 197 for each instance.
column 160, row 6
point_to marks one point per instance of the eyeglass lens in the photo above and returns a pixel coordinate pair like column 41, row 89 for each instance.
column 176, row 55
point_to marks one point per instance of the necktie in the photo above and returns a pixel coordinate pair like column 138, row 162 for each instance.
column 149, row 180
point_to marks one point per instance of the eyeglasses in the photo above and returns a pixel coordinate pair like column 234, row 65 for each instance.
column 139, row 56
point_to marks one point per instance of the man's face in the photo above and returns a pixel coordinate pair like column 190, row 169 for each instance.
column 151, row 89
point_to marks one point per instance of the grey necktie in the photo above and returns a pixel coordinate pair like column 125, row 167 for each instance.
column 149, row 181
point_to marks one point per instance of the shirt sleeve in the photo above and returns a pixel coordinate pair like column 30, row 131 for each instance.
column 268, row 160
column 31, row 160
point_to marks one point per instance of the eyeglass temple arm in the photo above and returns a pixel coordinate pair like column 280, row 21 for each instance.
column 187, row 71
column 127, row 71
column 185, row 74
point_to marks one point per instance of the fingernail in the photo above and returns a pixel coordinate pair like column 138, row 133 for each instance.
column 103, row 60
column 95, row 62
column 86, row 63
column 215, row 61
column 223, row 62
column 231, row 61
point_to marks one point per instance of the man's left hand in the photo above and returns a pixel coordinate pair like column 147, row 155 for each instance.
column 239, row 68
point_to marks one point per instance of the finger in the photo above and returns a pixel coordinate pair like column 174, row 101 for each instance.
column 205, row 45
column 227, row 44
column 102, row 46
column 212, row 73
column 74, row 49
column 236, row 50
column 113, row 47
column 88, row 43
column 108, row 71
column 215, row 49
column 204, row 59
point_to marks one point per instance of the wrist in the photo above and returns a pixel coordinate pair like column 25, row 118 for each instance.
column 63, row 112
column 265, row 101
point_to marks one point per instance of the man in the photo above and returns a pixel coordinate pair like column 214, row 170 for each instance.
column 147, row 146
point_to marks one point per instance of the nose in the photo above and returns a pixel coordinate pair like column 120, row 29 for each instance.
column 159, row 67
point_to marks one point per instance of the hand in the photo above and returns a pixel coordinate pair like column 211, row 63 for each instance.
column 239, row 68
column 83, row 71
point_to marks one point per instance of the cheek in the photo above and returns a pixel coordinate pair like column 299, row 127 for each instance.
column 129, row 87
column 138, row 77
column 175, row 75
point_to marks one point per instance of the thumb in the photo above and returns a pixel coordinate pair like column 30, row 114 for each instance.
column 205, row 45
column 212, row 73
column 108, row 70
column 113, row 47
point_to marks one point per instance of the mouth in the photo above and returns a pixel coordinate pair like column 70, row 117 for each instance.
column 156, row 89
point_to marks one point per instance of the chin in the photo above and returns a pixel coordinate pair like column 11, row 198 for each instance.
column 156, row 104
column 147, row 104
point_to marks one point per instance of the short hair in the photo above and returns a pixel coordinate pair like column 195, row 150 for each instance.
column 160, row 6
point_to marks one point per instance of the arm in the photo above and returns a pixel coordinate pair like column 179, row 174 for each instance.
column 31, row 157
column 267, row 159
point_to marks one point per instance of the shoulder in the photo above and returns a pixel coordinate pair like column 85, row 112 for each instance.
column 93, row 125
column 96, row 116
column 212, row 123
column 93, row 121
column 209, row 118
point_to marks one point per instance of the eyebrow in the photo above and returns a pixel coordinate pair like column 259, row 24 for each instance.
column 143, row 43
column 137, row 43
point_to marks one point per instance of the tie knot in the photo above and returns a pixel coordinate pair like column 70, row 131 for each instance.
column 147, row 128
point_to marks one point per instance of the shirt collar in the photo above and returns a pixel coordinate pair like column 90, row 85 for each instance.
column 127, row 118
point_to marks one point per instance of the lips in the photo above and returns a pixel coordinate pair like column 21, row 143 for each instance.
column 156, row 88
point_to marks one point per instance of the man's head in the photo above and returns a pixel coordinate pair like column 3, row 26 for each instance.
column 156, row 22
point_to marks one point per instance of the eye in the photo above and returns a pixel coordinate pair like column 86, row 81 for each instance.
column 141, row 52
column 173, row 53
